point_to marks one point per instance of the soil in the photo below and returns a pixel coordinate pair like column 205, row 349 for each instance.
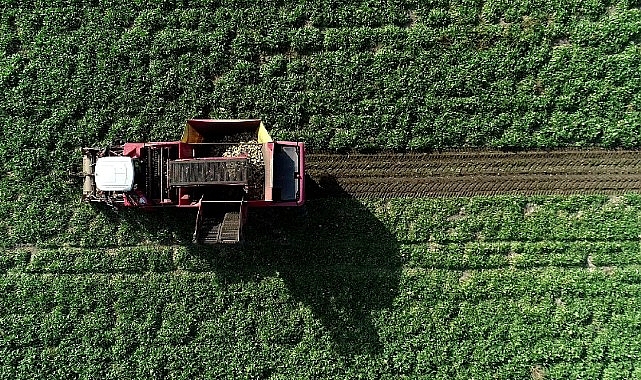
column 475, row 173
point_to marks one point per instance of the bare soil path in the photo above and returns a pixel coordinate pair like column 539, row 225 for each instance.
column 474, row 173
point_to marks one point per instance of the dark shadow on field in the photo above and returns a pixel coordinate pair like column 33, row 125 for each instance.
column 334, row 256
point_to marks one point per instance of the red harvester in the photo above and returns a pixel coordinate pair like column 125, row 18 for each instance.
column 220, row 167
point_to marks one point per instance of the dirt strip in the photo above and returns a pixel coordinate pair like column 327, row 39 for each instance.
column 474, row 173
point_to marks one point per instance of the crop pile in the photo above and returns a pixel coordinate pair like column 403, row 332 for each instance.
column 503, row 287
column 256, row 165
column 250, row 149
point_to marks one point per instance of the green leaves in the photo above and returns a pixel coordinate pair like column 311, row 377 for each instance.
column 164, row 62
column 507, row 287
column 443, row 288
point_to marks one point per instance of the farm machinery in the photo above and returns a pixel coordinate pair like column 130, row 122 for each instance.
column 219, row 167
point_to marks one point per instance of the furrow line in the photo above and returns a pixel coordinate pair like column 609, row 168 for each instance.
column 474, row 173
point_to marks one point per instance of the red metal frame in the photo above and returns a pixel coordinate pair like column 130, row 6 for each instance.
column 301, row 164
column 197, row 136
column 133, row 150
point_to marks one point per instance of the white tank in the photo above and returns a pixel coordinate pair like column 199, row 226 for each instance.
column 114, row 174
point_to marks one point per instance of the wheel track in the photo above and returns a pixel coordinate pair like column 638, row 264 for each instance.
column 474, row 173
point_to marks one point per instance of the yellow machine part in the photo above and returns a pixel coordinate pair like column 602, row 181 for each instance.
column 204, row 130
column 190, row 135
column 263, row 135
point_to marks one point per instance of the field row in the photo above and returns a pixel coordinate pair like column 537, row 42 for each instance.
column 475, row 255
column 598, row 218
column 350, row 280
column 604, row 256
column 323, row 13
column 340, row 100
column 511, row 218
column 472, row 173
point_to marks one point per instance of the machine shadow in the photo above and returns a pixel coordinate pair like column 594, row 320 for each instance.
column 335, row 257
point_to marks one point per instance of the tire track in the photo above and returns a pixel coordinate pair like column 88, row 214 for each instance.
column 474, row 173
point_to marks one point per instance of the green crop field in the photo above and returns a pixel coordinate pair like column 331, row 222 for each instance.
column 471, row 288
column 503, row 287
